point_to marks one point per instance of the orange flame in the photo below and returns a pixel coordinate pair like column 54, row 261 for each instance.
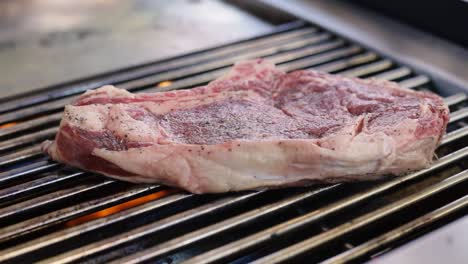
column 164, row 84
column 7, row 125
column 119, row 207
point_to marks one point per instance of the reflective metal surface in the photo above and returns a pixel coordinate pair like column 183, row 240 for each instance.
column 420, row 250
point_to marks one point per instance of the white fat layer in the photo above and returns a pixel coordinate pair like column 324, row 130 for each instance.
column 253, row 164
column 120, row 123
column 88, row 117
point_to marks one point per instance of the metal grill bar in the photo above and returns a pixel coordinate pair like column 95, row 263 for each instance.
column 229, row 224
column 361, row 221
column 40, row 109
column 204, row 77
column 296, row 50
column 368, row 69
column 9, row 194
column 20, row 155
column 76, row 231
column 62, row 215
column 288, row 32
column 27, row 139
column 344, row 64
column 27, row 170
column 459, row 114
column 50, row 198
column 415, row 81
column 277, row 231
column 152, row 228
column 455, row 135
column 400, row 232
column 23, row 126
column 394, row 74
column 456, row 99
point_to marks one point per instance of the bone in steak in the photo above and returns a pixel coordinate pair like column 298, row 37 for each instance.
column 255, row 127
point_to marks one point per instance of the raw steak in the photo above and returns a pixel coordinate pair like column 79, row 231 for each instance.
column 253, row 128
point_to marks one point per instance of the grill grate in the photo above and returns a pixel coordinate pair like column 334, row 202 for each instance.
column 52, row 213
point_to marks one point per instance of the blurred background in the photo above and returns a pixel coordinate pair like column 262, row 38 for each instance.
column 44, row 42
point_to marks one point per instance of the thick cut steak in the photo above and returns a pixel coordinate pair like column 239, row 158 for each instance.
column 255, row 127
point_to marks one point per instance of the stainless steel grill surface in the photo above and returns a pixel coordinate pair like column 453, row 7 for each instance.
column 55, row 214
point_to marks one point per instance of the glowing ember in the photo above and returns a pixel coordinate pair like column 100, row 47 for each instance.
column 164, row 84
column 7, row 125
column 119, row 207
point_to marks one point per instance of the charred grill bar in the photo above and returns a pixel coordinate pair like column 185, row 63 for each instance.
column 52, row 213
